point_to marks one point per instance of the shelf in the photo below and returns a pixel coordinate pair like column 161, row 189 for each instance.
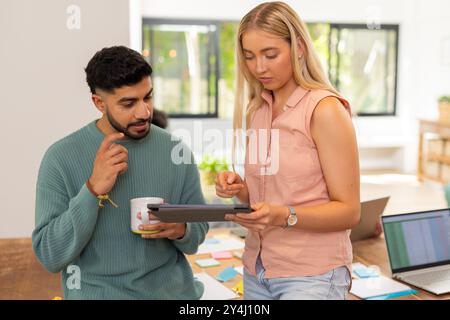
column 434, row 153
column 439, row 158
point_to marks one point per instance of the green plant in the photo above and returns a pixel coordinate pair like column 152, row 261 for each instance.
column 211, row 166
column 444, row 99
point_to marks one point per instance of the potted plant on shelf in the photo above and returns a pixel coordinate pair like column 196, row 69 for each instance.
column 210, row 166
column 444, row 109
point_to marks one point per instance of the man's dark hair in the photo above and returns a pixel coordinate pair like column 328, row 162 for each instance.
column 160, row 118
column 115, row 67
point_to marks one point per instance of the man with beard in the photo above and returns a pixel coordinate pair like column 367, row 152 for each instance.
column 85, row 184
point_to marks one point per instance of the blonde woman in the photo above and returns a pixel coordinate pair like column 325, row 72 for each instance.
column 298, row 243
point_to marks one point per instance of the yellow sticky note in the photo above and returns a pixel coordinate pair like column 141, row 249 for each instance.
column 239, row 288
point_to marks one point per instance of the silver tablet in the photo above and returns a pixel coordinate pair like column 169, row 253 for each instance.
column 197, row 212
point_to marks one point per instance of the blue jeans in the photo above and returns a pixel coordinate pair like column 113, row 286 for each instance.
column 333, row 285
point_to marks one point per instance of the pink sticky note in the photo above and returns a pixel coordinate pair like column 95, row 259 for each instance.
column 222, row 255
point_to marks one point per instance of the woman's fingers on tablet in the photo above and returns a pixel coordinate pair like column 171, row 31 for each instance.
column 231, row 177
column 224, row 195
column 226, row 179
column 221, row 179
column 231, row 187
column 235, row 187
column 230, row 192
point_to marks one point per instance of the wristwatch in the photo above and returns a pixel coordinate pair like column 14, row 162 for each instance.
column 292, row 219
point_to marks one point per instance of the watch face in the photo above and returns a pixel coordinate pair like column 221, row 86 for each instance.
column 292, row 220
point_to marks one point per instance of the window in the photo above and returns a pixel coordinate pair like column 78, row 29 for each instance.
column 362, row 65
column 184, row 56
column 194, row 65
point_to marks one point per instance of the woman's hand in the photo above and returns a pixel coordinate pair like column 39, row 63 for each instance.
column 230, row 184
column 265, row 215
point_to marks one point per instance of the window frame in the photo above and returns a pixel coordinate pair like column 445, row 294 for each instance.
column 359, row 26
column 216, row 49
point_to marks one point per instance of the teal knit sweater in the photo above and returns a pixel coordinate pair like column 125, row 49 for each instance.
column 114, row 263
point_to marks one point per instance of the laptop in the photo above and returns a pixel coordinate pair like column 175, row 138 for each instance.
column 418, row 246
column 371, row 212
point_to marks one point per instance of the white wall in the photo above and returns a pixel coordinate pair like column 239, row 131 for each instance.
column 43, row 92
column 422, row 73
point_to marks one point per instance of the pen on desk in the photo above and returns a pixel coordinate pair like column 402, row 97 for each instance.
column 393, row 295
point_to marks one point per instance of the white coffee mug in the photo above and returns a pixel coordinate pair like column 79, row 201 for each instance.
column 139, row 205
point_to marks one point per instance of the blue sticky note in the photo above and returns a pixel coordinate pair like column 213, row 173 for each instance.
column 212, row 241
column 365, row 273
column 227, row 274
column 205, row 263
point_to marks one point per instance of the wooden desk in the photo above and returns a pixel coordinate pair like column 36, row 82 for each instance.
column 23, row 277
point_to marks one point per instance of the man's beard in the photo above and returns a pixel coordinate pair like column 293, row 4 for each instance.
column 126, row 131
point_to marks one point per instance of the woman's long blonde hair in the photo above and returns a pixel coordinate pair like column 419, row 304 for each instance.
column 279, row 19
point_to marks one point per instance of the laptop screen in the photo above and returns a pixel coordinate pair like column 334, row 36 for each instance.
column 417, row 240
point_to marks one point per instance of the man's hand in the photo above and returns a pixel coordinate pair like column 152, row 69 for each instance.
column 110, row 161
column 172, row 231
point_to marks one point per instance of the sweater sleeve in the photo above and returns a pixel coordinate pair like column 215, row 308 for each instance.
column 64, row 225
column 192, row 194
